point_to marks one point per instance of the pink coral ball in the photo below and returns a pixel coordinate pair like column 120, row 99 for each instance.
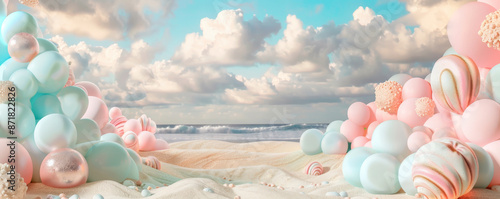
column 359, row 113
column 147, row 141
column 133, row 125
column 359, row 142
column 115, row 112
column 416, row 140
column 351, row 130
column 388, row 96
column 407, row 113
column 424, row 107
column 416, row 88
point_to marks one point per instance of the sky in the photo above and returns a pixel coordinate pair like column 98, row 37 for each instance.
column 243, row 62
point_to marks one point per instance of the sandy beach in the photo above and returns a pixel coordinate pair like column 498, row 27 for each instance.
column 189, row 167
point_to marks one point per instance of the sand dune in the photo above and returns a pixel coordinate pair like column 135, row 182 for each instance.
column 189, row 167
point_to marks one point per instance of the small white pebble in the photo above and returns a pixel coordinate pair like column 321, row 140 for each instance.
column 208, row 190
column 224, row 185
column 272, row 185
column 74, row 197
column 302, row 192
column 343, row 194
column 128, row 183
column 231, row 185
column 237, row 197
column 98, row 196
column 332, row 193
column 145, row 193
column 325, row 183
column 280, row 187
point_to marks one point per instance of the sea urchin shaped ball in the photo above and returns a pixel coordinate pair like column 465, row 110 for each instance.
column 424, row 107
column 490, row 30
column 19, row 186
column 388, row 96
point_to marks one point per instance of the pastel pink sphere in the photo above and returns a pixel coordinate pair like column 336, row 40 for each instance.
column 480, row 122
column 147, row 141
column 359, row 142
column 407, row 113
column 351, row 130
column 384, row 116
column 373, row 110
column 494, row 3
column 115, row 112
column 131, row 140
column 132, row 125
column 23, row 164
column 359, row 113
column 438, row 121
column 369, row 144
column 416, row 88
column 161, row 144
column 64, row 168
column 423, row 129
column 91, row 88
column 371, row 127
column 416, row 140
column 23, row 47
column 446, row 132
column 493, row 149
column 108, row 128
column 97, row 111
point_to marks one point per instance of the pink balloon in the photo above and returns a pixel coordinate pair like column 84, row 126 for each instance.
column 494, row 3
column 416, row 88
column 384, row 116
column 115, row 112
column 351, row 130
column 423, row 129
column 494, row 150
column 64, row 168
column 416, row 140
column 373, row 110
column 371, row 127
column 359, row 142
column 23, row 47
column 133, row 125
column 91, row 88
column 131, row 140
column 457, row 125
column 147, row 141
column 359, row 113
column 463, row 29
column 438, row 121
column 369, row 144
column 161, row 144
column 408, row 115
column 23, row 164
column 97, row 111
column 446, row 132
column 480, row 122
column 108, row 128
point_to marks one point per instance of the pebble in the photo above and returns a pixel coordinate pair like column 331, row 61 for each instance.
column 325, row 183
column 98, row 196
column 132, row 187
column 343, row 194
column 74, row 197
column 301, row 186
column 138, row 183
column 224, row 185
column 62, row 195
column 149, row 188
column 495, row 188
column 231, row 185
column 145, row 193
column 128, row 183
column 208, row 190
column 332, row 193
column 280, row 187
column 237, row 197
column 53, row 197
column 309, row 186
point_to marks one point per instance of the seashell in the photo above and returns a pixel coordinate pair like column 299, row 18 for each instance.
column 131, row 141
column 119, row 123
column 444, row 168
column 314, row 169
column 152, row 162
column 147, row 124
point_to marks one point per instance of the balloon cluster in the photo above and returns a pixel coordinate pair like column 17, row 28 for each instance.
column 64, row 133
column 437, row 137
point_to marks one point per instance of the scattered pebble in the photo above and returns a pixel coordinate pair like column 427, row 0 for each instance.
column 280, row 187
column 301, row 186
column 332, row 193
column 231, row 185
column 224, row 178
column 263, row 183
column 128, row 183
column 325, row 183
column 495, row 188
column 208, row 190
column 98, row 196
column 74, row 197
column 138, row 183
column 149, row 188
column 224, row 185
column 272, row 185
column 62, row 195
column 132, row 187
column 302, row 192
column 343, row 194
column 237, row 197
column 145, row 193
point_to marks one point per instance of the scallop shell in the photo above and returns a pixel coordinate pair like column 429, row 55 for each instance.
column 314, row 169
column 444, row 168
column 130, row 140
column 119, row 123
column 152, row 161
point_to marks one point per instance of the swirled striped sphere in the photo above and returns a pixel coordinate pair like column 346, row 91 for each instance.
column 444, row 168
column 152, row 162
column 130, row 140
column 455, row 82
column 119, row 123
column 314, row 169
column 147, row 124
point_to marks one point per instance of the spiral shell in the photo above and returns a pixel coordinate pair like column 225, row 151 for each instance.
column 314, row 169
column 455, row 82
column 130, row 140
column 147, row 124
column 119, row 123
column 152, row 161
column 444, row 168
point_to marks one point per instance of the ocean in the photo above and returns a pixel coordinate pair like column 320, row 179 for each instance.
column 235, row 132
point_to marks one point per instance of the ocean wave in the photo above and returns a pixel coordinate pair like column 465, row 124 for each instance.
column 235, row 129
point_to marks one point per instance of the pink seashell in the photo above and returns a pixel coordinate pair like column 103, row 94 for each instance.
column 119, row 123
column 314, row 169
column 152, row 161
column 131, row 141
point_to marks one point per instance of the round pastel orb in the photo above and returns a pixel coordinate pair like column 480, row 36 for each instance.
column 108, row 161
column 358, row 113
column 147, row 141
column 489, row 32
column 371, row 128
column 74, row 102
column 351, row 165
column 36, row 155
column 91, row 88
column 97, row 111
column 23, row 164
column 108, row 128
column 18, row 22
column 455, row 82
column 492, row 83
column 359, row 142
column 463, row 29
column 384, row 116
column 111, row 137
column 136, row 157
column 373, row 110
column 310, row 141
column 23, row 47
column 24, row 121
column 45, row 104
column 446, row 132
column 417, row 139
column 10, row 66
column 391, row 137
column 480, row 122
column 400, row 78
column 407, row 113
column 51, row 70
column 351, row 130
column 115, row 112
column 457, row 126
column 388, row 96
column 133, row 125
column 55, row 131
column 161, row 144
column 450, row 51
column 368, row 144
column 404, row 175
column 87, row 131
column 438, row 121
column 334, row 143
column 379, row 174
column 444, row 168
column 144, row 121
column 424, row 107
column 486, row 168
column 45, row 45
column 493, row 150
column 416, row 88
column 64, row 168
column 334, row 126
column 130, row 140
column 25, row 82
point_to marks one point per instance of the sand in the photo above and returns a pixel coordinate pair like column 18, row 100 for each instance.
column 189, row 167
